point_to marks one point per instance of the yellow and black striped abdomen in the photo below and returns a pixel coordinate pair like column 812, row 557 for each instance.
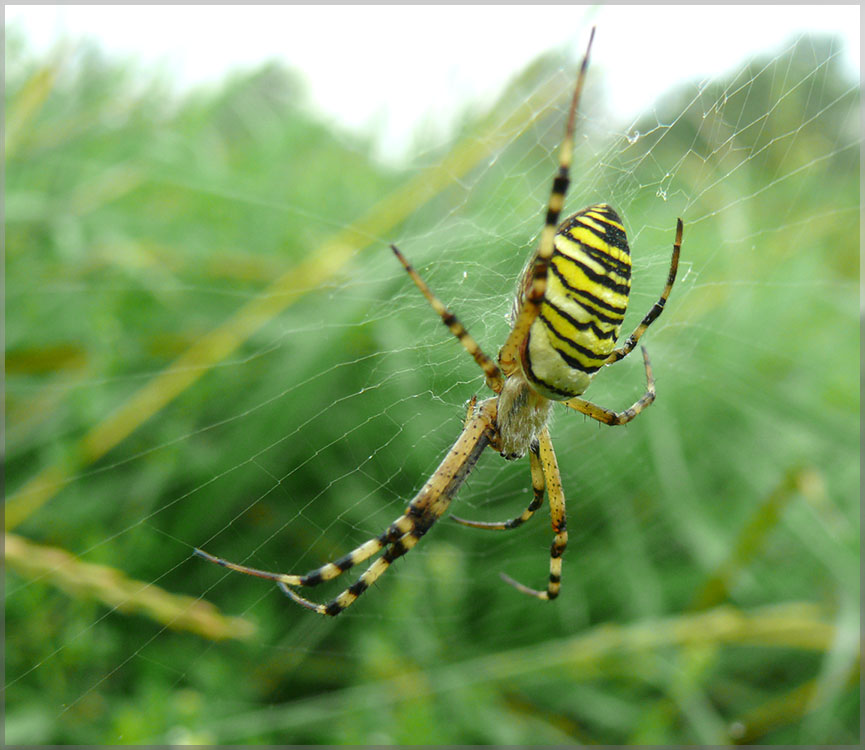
column 588, row 283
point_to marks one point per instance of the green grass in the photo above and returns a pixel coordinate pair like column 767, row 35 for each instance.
column 711, row 589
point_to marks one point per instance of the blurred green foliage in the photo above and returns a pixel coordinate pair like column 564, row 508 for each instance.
column 137, row 221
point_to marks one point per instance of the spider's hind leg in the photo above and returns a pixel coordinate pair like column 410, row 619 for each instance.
column 658, row 307
column 532, row 292
column 607, row 416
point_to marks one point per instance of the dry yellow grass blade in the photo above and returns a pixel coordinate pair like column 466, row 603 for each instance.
column 29, row 101
column 799, row 625
column 81, row 580
column 751, row 538
column 321, row 264
column 784, row 710
column 695, row 661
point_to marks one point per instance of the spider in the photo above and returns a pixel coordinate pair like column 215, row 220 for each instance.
column 570, row 304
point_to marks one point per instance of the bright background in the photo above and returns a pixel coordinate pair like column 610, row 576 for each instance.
column 209, row 344
column 353, row 58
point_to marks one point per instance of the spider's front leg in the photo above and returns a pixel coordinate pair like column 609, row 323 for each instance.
column 537, row 499
column 427, row 507
column 558, row 518
column 402, row 535
column 369, row 576
column 378, row 568
column 328, row 571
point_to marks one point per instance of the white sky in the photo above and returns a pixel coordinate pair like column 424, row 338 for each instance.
column 389, row 67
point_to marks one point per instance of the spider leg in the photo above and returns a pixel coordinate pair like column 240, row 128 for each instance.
column 369, row 576
column 490, row 368
column 470, row 410
column 401, row 527
column 535, row 280
column 657, row 308
column 537, row 488
column 557, row 515
column 330, row 570
column 424, row 510
column 618, row 417
column 432, row 511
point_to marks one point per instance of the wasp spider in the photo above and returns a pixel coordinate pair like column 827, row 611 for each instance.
column 570, row 304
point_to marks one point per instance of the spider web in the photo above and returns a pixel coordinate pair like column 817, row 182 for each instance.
column 333, row 391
